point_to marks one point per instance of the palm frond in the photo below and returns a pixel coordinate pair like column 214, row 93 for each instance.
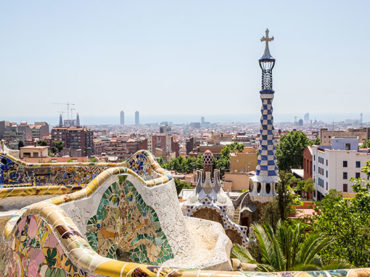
column 242, row 254
column 265, row 268
column 264, row 243
column 312, row 246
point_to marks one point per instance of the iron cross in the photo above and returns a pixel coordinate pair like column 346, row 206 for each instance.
column 267, row 38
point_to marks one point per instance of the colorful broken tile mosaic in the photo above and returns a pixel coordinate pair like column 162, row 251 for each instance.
column 126, row 227
column 36, row 252
column 13, row 173
column 140, row 164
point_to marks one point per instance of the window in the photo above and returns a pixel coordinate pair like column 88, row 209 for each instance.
column 326, row 174
column 268, row 188
column 357, row 174
column 259, row 187
column 345, row 188
column 348, row 146
column 320, row 182
column 345, row 175
column 327, row 185
column 345, row 163
column 358, row 164
column 327, row 162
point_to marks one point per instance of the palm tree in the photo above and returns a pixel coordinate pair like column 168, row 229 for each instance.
column 286, row 249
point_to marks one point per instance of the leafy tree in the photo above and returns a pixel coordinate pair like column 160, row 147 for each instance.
column 180, row 185
column 42, row 142
column 285, row 196
column 57, row 146
column 309, row 187
column 189, row 164
column 284, row 249
column 20, row 144
column 366, row 144
column 270, row 213
column 348, row 221
column 180, row 164
column 162, row 162
column 289, row 151
column 316, row 141
column 223, row 162
column 306, row 186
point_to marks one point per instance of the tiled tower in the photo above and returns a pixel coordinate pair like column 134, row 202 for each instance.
column 263, row 186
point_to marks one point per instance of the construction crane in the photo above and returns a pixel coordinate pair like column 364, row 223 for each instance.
column 68, row 104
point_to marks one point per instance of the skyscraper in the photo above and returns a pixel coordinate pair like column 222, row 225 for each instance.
column 60, row 120
column 78, row 120
column 122, row 118
column 137, row 120
column 266, row 178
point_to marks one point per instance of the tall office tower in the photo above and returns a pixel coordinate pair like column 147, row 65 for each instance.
column 78, row 120
column 264, row 182
column 137, row 120
column 122, row 118
column 60, row 120
column 306, row 117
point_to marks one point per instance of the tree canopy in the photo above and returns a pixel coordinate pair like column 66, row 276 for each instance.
column 366, row 144
column 348, row 221
column 289, row 151
column 42, row 142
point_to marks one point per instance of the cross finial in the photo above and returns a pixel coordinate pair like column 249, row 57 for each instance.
column 267, row 39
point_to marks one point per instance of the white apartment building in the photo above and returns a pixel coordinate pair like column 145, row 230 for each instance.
column 334, row 165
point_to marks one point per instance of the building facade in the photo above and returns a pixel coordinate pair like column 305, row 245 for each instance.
column 75, row 138
column 163, row 145
column 137, row 118
column 307, row 163
column 333, row 166
column 326, row 135
column 122, row 118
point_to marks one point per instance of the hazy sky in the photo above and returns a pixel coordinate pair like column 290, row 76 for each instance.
column 182, row 57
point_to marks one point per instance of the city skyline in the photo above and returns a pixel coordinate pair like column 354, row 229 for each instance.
column 159, row 58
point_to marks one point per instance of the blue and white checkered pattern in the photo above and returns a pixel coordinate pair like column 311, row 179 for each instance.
column 266, row 163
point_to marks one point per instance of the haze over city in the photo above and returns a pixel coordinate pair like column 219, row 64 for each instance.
column 182, row 59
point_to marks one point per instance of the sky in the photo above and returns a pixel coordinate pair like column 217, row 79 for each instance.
column 182, row 57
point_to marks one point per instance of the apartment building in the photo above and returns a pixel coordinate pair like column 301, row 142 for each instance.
column 75, row 138
column 334, row 165
column 326, row 135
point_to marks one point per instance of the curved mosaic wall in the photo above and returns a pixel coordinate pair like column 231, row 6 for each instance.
column 126, row 225
column 37, row 252
column 14, row 173
column 18, row 178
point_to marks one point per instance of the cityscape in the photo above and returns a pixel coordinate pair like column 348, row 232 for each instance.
column 185, row 187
